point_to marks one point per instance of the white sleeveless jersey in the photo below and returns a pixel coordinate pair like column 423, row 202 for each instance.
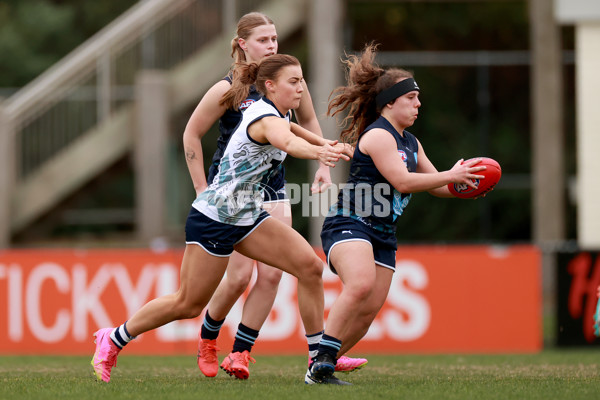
column 235, row 195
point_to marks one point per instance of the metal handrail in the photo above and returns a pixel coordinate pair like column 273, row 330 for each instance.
column 96, row 80
column 124, row 30
column 78, row 117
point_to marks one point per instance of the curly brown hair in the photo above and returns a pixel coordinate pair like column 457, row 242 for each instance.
column 365, row 80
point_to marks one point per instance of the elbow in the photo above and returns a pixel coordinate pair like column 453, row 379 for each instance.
column 187, row 136
column 404, row 188
column 191, row 133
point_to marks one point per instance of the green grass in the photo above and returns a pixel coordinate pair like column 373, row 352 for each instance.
column 551, row 374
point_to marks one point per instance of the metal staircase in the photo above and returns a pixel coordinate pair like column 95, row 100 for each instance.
column 78, row 118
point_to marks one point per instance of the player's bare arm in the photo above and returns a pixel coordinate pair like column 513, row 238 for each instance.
column 277, row 132
column 381, row 147
column 207, row 112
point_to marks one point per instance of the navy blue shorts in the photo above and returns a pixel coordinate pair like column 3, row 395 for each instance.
column 216, row 237
column 339, row 229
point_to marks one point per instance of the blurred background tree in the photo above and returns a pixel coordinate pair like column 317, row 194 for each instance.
column 34, row 34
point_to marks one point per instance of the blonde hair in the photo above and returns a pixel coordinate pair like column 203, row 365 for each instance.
column 245, row 26
column 257, row 73
column 365, row 80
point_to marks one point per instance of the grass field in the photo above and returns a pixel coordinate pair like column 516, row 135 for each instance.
column 551, row 374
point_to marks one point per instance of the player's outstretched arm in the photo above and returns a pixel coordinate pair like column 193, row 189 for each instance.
column 276, row 131
column 381, row 147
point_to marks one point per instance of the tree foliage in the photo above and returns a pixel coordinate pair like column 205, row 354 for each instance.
column 34, row 34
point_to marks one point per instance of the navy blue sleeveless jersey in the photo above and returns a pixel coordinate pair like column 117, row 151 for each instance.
column 227, row 125
column 368, row 197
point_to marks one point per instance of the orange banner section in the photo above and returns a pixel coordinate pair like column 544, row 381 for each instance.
column 442, row 299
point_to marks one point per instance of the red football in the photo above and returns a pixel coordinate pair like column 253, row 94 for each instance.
column 492, row 174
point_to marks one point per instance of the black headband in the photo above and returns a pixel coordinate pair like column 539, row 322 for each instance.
column 395, row 91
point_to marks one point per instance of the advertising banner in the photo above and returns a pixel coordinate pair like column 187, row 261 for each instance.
column 578, row 281
column 442, row 299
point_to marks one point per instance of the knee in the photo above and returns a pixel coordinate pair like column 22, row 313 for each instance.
column 238, row 279
column 360, row 292
column 268, row 278
column 311, row 268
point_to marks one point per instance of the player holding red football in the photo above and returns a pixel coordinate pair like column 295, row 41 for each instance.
column 389, row 164
column 492, row 173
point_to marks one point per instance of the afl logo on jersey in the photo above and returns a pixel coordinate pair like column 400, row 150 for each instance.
column 403, row 156
column 246, row 103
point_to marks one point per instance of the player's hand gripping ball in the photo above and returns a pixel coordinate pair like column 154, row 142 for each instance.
column 492, row 174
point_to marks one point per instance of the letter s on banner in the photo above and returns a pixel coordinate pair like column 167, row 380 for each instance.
column 409, row 277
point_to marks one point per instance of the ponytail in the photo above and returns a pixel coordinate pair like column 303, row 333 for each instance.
column 246, row 74
column 243, row 76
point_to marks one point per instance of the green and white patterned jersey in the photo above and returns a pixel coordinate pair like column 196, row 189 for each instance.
column 235, row 195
